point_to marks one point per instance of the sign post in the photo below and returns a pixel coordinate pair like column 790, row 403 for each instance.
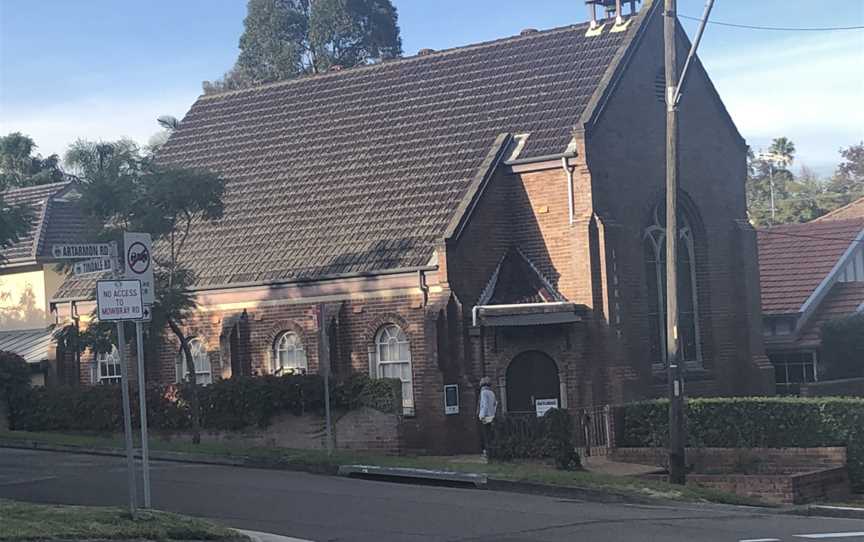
column 119, row 301
column 137, row 260
column 324, row 369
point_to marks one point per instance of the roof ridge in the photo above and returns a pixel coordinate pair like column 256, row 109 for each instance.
column 833, row 212
column 34, row 188
column 401, row 60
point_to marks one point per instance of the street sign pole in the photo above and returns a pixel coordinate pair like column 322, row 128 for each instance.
column 127, row 415
column 142, row 406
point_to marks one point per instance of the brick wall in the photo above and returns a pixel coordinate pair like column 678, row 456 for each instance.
column 741, row 460
column 851, row 387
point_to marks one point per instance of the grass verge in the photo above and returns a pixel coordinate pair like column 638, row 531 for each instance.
column 25, row 521
column 319, row 461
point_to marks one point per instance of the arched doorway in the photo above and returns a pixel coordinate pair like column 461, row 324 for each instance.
column 531, row 376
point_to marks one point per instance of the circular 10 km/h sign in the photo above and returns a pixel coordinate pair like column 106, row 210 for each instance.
column 138, row 258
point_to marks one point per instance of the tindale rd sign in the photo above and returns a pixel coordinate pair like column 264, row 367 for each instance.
column 119, row 300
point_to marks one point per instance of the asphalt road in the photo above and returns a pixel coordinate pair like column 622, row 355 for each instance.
column 322, row 508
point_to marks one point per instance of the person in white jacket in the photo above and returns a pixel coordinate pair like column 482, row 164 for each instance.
column 486, row 412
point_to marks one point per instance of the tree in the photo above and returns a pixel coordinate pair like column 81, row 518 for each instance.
column 20, row 168
column 130, row 192
column 283, row 39
column 848, row 180
column 14, row 222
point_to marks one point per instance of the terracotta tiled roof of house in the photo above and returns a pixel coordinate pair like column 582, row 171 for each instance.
column 843, row 300
column 795, row 258
column 362, row 170
column 53, row 220
column 854, row 209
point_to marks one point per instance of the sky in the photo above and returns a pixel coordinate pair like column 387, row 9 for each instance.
column 105, row 69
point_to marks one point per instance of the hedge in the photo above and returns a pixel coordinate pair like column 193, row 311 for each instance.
column 231, row 404
column 755, row 422
column 530, row 437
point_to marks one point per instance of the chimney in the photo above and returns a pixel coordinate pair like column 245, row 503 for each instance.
column 528, row 32
column 425, row 51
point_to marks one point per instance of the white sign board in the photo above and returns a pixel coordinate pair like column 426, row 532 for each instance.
column 544, row 405
column 96, row 265
column 138, row 262
column 451, row 399
column 119, row 300
column 81, row 251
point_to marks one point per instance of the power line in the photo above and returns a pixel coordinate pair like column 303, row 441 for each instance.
column 779, row 28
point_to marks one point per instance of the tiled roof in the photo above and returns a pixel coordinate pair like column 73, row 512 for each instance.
column 850, row 210
column 36, row 198
column 361, row 170
column 843, row 300
column 30, row 344
column 795, row 258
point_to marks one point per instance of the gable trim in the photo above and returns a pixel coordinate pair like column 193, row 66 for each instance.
column 812, row 303
column 607, row 85
column 478, row 185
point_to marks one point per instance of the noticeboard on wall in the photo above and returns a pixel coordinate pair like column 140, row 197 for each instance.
column 451, row 399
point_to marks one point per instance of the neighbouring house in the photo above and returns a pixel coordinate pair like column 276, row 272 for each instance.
column 811, row 273
column 489, row 210
column 29, row 276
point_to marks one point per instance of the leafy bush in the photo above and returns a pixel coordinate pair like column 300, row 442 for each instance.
column 529, row 437
column 756, row 422
column 843, row 347
column 232, row 404
column 14, row 383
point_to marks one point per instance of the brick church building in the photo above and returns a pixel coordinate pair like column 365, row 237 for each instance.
column 490, row 210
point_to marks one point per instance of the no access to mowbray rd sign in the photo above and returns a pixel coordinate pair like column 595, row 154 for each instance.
column 119, row 300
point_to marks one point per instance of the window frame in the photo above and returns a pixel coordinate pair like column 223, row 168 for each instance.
column 109, row 359
column 780, row 360
column 401, row 338
column 200, row 349
column 655, row 235
column 297, row 346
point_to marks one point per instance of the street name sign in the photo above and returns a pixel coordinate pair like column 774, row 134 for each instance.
column 138, row 261
column 80, row 251
column 96, row 265
column 118, row 300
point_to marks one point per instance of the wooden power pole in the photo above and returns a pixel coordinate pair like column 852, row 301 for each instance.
column 673, row 351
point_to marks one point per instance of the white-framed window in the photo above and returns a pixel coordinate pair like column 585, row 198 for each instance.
column 108, row 367
column 392, row 359
column 792, row 369
column 201, row 360
column 289, row 356
column 690, row 340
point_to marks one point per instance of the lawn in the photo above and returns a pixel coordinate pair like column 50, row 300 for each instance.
column 24, row 521
column 320, row 461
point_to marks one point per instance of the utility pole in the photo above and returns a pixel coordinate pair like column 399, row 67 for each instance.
column 673, row 362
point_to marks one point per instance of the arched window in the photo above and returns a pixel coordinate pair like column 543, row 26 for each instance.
column 201, row 360
column 688, row 307
column 393, row 360
column 108, row 367
column 289, row 357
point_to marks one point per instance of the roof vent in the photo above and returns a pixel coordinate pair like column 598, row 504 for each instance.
column 425, row 51
column 335, row 68
column 528, row 32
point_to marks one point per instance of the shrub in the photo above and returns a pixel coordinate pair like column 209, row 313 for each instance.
column 232, row 404
column 757, row 422
column 14, row 384
column 529, row 437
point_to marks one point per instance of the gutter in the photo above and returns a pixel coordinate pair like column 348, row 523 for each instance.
column 289, row 282
column 544, row 158
column 565, row 163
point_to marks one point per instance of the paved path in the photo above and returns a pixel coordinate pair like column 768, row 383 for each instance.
column 321, row 508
